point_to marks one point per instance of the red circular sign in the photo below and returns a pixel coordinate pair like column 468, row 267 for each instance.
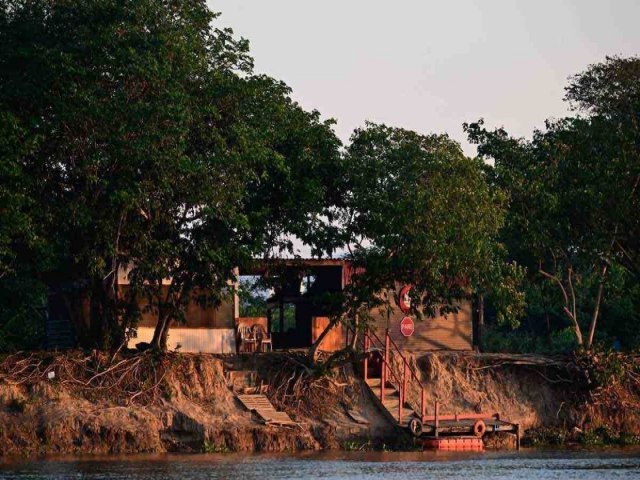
column 407, row 327
column 405, row 299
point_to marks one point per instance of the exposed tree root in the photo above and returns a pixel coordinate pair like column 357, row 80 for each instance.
column 136, row 378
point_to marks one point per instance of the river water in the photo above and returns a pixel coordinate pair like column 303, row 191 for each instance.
column 528, row 464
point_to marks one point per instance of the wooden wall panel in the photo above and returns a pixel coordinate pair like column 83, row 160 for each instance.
column 197, row 315
column 191, row 340
column 451, row 332
column 333, row 341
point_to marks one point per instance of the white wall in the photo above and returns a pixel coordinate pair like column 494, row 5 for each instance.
column 193, row 340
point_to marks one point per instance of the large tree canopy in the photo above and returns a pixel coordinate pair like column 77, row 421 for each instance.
column 573, row 192
column 151, row 146
column 420, row 212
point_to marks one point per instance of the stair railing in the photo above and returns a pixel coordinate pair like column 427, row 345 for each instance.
column 402, row 381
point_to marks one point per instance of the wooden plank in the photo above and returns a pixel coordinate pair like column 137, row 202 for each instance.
column 261, row 405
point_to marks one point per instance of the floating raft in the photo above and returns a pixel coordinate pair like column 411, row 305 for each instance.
column 458, row 444
column 448, row 425
column 262, row 407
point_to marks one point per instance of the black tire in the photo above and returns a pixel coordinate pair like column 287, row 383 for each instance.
column 415, row 427
column 479, row 428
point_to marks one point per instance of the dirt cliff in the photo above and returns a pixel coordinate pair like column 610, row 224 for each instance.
column 92, row 403
column 78, row 403
column 586, row 398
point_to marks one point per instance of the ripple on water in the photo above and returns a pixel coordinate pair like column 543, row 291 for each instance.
column 533, row 464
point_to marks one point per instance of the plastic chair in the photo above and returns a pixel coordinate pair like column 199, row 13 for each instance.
column 263, row 338
column 247, row 339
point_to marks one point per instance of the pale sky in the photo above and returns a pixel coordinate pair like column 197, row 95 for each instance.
column 429, row 66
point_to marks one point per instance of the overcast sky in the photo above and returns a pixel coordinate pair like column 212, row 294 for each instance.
column 431, row 65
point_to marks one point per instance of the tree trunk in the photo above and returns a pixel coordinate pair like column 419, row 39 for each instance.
column 165, row 335
column 161, row 332
column 578, row 332
column 100, row 316
column 354, row 340
column 571, row 313
column 596, row 309
column 78, row 309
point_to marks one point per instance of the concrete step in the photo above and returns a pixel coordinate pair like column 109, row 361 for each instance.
column 392, row 403
column 388, row 392
column 407, row 414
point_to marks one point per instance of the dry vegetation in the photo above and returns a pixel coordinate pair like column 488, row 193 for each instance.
column 125, row 380
column 297, row 387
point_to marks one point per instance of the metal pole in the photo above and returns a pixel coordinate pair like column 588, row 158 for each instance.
column 383, row 382
column 366, row 354
column 405, row 377
column 422, row 406
column 437, row 413
column 386, row 353
column 403, row 392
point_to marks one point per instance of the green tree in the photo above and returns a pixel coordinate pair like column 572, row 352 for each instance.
column 609, row 93
column 21, row 243
column 573, row 191
column 111, row 91
column 419, row 212
column 155, row 151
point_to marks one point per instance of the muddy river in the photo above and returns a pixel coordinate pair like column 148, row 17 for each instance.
column 528, row 464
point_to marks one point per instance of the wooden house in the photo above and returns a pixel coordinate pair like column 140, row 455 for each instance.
column 296, row 313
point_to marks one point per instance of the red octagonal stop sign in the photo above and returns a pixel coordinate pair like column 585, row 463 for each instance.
column 407, row 327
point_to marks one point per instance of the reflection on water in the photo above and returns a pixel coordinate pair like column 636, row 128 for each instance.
column 565, row 465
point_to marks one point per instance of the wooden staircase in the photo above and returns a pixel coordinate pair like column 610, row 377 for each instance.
column 401, row 396
column 391, row 402
column 398, row 380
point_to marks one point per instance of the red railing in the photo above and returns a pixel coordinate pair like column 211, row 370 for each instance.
column 403, row 381
column 389, row 374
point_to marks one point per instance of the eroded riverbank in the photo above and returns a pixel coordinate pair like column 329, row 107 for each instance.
column 181, row 403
